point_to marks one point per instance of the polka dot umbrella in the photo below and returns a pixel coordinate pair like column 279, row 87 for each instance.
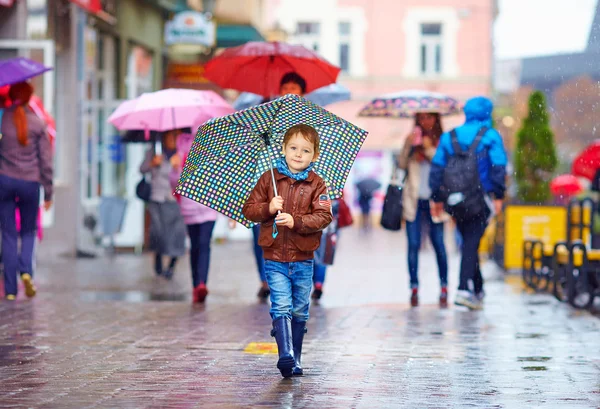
column 230, row 153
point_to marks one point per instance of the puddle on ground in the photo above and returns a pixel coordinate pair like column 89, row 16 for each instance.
column 521, row 335
column 533, row 358
column 130, row 296
column 534, row 368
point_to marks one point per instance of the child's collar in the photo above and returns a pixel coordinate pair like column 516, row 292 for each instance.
column 279, row 176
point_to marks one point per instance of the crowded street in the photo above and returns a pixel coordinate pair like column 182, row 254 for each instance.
column 330, row 204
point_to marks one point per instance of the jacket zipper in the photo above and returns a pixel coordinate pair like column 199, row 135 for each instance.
column 287, row 208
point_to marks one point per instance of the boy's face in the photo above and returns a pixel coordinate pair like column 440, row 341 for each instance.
column 290, row 88
column 299, row 153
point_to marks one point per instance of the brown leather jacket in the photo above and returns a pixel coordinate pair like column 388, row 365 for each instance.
column 306, row 200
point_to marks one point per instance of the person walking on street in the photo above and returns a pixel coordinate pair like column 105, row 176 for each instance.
column 289, row 254
column 25, row 165
column 322, row 258
column 415, row 159
column 469, row 167
column 200, row 222
column 291, row 83
column 167, row 228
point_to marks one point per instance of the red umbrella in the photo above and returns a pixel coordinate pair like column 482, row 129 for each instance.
column 566, row 185
column 588, row 161
column 258, row 67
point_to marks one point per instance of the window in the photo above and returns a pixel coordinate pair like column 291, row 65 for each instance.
column 308, row 28
column 344, row 30
column 431, row 49
column 345, row 57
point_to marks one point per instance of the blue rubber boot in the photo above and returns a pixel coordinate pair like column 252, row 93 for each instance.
column 298, row 331
column 282, row 331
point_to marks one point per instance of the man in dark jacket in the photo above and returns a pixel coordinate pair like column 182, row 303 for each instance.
column 491, row 160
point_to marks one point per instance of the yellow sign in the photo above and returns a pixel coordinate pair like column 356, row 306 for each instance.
column 547, row 224
column 261, row 348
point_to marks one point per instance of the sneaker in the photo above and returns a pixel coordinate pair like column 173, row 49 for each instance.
column 200, row 293
column 414, row 297
column 317, row 292
column 11, row 297
column 444, row 298
column 467, row 299
column 480, row 296
column 30, row 289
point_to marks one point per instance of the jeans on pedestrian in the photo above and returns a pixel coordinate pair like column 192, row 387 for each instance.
column 290, row 285
column 470, row 273
column 28, row 195
column 436, row 234
column 258, row 253
column 320, row 271
column 200, row 236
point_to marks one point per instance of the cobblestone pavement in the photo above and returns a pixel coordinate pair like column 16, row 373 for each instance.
column 98, row 336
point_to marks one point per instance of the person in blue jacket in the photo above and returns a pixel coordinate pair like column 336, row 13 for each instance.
column 492, row 161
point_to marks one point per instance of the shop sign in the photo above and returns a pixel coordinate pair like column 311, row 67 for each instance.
column 190, row 27
column 186, row 73
column 103, row 9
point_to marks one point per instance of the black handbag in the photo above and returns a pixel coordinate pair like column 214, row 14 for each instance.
column 391, row 215
column 143, row 190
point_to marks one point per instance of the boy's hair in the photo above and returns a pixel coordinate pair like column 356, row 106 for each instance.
column 295, row 78
column 308, row 132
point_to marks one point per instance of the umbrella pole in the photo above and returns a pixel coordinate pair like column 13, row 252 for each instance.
column 265, row 138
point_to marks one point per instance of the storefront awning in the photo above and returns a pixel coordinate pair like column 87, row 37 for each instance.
column 231, row 35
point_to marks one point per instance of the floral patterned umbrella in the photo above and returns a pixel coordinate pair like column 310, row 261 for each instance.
column 230, row 153
column 406, row 104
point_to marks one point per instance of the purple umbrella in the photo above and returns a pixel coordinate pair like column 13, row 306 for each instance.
column 19, row 69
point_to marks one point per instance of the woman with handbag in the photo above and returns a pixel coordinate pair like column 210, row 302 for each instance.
column 415, row 159
column 167, row 228
column 324, row 256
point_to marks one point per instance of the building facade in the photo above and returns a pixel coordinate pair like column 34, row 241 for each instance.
column 386, row 46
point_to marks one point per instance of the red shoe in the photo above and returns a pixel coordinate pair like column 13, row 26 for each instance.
column 200, row 293
column 444, row 298
column 414, row 297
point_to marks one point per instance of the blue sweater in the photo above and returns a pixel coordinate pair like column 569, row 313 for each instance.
column 490, row 152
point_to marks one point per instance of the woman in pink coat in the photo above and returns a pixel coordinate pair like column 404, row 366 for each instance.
column 200, row 222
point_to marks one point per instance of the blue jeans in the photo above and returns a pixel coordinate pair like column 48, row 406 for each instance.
column 320, row 271
column 472, row 231
column 290, row 285
column 200, row 236
column 436, row 234
column 258, row 253
column 28, row 194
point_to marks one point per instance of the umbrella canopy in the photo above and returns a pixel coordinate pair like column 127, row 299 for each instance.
column 169, row 109
column 20, row 69
column 406, row 104
column 567, row 185
column 258, row 67
column 366, row 187
column 588, row 162
column 230, row 153
column 323, row 96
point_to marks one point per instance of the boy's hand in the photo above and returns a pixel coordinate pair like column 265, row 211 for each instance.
column 156, row 160
column 175, row 161
column 285, row 219
column 276, row 205
column 232, row 224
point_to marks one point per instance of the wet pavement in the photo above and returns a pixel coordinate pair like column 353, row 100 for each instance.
column 106, row 333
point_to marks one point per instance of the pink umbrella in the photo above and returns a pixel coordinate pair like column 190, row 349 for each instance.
column 169, row 109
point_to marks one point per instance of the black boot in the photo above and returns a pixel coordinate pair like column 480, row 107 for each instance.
column 282, row 331
column 158, row 268
column 298, row 331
